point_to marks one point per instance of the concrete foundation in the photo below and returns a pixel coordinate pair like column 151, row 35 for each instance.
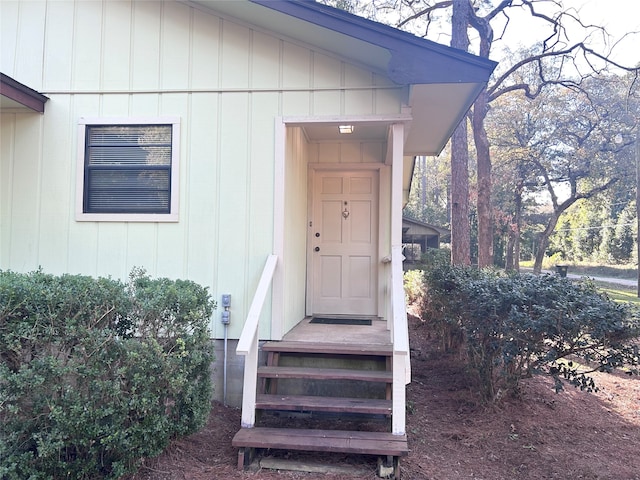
column 235, row 373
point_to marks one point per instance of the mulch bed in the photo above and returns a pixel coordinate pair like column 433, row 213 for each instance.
column 540, row 435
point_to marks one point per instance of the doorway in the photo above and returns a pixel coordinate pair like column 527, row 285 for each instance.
column 343, row 243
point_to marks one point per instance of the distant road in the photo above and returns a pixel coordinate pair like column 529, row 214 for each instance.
column 619, row 281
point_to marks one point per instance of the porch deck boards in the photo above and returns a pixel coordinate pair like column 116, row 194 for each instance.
column 383, row 376
column 357, row 442
column 375, row 334
column 305, row 347
column 310, row 403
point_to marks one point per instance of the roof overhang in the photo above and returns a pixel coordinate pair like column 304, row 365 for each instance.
column 15, row 96
column 442, row 82
column 417, row 227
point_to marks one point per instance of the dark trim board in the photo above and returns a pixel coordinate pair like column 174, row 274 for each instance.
column 20, row 93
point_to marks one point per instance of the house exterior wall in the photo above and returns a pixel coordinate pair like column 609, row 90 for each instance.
column 227, row 83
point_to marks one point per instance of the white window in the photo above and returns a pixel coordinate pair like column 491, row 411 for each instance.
column 128, row 170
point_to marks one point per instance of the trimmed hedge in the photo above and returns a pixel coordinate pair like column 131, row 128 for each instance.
column 96, row 374
column 512, row 326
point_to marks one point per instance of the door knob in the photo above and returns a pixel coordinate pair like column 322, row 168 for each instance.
column 317, row 234
column 317, row 249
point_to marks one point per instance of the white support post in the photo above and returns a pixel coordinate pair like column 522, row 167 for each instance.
column 399, row 330
column 399, row 395
column 397, row 137
column 249, row 386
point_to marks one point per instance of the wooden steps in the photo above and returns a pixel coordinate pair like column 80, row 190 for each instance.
column 310, row 403
column 328, row 348
column 382, row 376
column 324, row 378
column 368, row 443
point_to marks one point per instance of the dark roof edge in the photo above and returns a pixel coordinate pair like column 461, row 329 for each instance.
column 440, row 230
column 22, row 94
column 398, row 42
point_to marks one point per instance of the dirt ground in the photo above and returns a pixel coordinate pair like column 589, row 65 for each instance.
column 543, row 435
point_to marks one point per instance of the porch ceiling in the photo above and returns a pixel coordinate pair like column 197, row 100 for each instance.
column 435, row 110
column 318, row 132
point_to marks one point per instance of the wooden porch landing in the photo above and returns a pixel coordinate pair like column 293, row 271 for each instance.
column 374, row 334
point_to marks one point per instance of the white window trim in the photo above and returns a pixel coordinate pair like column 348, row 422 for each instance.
column 172, row 216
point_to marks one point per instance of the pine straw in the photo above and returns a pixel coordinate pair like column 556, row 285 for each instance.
column 541, row 435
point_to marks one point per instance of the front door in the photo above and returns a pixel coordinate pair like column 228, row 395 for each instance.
column 343, row 238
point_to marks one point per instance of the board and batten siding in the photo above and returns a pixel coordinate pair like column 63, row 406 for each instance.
column 225, row 81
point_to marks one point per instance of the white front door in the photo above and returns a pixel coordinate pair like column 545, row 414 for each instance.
column 343, row 237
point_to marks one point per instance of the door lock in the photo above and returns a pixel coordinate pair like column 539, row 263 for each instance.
column 317, row 249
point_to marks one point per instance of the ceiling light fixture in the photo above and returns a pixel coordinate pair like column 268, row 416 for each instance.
column 345, row 128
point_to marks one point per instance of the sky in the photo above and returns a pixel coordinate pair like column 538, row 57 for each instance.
column 619, row 17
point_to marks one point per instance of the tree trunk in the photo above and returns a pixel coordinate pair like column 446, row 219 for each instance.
column 460, row 231
column 485, row 216
column 513, row 245
column 518, row 225
column 423, row 186
column 483, row 155
column 543, row 242
column 509, row 250
column 516, row 251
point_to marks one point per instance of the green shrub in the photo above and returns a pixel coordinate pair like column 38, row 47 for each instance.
column 413, row 286
column 96, row 374
column 436, row 257
column 512, row 326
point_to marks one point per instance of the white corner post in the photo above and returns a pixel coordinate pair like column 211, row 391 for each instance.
column 399, row 331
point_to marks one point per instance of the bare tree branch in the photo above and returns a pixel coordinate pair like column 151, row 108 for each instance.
column 425, row 12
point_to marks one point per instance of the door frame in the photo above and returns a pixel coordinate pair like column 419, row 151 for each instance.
column 313, row 168
column 387, row 192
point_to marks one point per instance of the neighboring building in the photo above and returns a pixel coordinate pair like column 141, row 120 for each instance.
column 418, row 236
column 200, row 140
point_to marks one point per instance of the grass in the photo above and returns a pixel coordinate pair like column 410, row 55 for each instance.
column 618, row 293
column 628, row 272
column 612, row 271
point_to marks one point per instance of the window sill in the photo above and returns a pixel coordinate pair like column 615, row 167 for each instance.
column 127, row 217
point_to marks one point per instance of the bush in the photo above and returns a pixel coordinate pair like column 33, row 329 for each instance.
column 414, row 279
column 436, row 257
column 96, row 374
column 413, row 286
column 512, row 326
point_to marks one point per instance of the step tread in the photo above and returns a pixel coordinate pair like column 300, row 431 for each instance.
column 310, row 403
column 326, row 373
column 329, row 348
column 359, row 442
